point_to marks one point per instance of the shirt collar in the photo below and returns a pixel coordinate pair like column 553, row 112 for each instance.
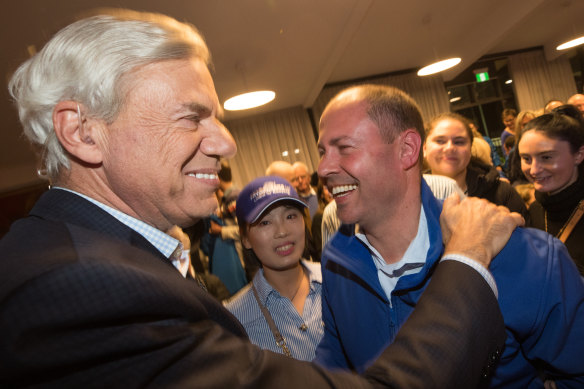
column 265, row 290
column 164, row 243
column 415, row 253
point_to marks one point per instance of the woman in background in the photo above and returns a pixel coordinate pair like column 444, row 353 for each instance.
column 513, row 162
column 281, row 308
column 447, row 151
column 551, row 148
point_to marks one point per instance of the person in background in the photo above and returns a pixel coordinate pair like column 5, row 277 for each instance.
column 225, row 180
column 551, row 148
column 513, row 163
column 220, row 245
column 301, row 182
column 495, row 158
column 226, row 195
column 509, row 145
column 551, row 104
column 508, row 116
column 281, row 308
column 480, row 149
column 577, row 101
column 281, row 169
column 521, row 120
column 447, row 151
column 324, row 198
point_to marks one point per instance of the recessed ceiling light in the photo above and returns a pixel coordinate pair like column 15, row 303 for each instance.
column 439, row 66
column 508, row 82
column 570, row 44
column 249, row 100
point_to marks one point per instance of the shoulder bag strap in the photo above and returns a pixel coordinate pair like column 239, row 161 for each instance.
column 572, row 221
column 280, row 341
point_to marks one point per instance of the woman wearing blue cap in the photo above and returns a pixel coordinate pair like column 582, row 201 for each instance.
column 281, row 308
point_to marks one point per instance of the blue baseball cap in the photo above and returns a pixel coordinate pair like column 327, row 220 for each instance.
column 261, row 193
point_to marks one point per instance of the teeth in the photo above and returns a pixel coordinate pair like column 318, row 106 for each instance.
column 284, row 248
column 343, row 188
column 203, row 176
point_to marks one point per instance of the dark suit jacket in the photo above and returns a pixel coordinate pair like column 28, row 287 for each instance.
column 87, row 302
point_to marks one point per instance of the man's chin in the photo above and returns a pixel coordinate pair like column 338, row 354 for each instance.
column 347, row 217
column 200, row 211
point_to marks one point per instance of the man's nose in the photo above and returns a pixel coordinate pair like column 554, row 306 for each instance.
column 220, row 142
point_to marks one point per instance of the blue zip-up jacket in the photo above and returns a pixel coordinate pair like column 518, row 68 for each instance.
column 541, row 296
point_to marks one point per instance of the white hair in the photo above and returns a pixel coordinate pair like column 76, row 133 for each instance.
column 87, row 62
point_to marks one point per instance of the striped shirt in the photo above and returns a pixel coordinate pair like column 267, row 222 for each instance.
column 415, row 258
column 412, row 261
column 302, row 333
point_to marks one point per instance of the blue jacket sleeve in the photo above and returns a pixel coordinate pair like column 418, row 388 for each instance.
column 557, row 339
column 329, row 352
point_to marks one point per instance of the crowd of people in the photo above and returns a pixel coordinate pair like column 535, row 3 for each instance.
column 402, row 266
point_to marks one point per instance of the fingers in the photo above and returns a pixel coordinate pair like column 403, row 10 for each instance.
column 477, row 228
column 452, row 200
column 517, row 219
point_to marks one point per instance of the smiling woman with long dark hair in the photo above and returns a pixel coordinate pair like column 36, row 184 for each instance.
column 551, row 147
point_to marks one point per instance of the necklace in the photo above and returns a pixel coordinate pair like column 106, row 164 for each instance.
column 299, row 284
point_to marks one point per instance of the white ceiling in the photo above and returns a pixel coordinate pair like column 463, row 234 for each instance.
column 295, row 47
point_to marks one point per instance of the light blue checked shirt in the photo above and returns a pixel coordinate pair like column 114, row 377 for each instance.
column 164, row 243
column 302, row 333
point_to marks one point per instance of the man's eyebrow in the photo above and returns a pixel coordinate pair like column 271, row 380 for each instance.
column 204, row 110
column 198, row 108
column 335, row 141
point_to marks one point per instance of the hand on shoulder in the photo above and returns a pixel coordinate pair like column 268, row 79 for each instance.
column 476, row 228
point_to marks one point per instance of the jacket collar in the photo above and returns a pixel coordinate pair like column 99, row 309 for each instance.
column 63, row 206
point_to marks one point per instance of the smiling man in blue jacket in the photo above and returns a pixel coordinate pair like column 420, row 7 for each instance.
column 370, row 141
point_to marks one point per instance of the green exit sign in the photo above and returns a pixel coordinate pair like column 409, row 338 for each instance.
column 482, row 76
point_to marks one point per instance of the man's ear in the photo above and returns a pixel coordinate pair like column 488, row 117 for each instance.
column 78, row 135
column 579, row 155
column 410, row 144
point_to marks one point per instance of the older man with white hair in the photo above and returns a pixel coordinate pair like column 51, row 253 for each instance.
column 301, row 182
